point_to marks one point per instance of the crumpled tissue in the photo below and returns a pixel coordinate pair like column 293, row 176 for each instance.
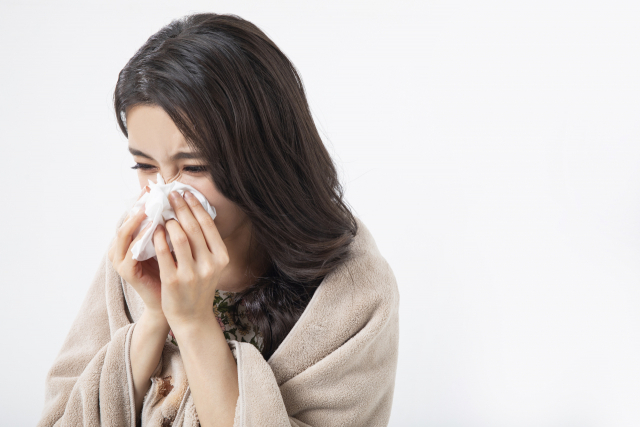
column 159, row 211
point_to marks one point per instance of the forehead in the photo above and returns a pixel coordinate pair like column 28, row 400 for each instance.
column 150, row 128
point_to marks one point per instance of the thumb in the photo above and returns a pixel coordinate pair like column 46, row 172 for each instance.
column 139, row 236
column 141, row 233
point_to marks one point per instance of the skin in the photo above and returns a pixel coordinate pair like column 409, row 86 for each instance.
column 179, row 288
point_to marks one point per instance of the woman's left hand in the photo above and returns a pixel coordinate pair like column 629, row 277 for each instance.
column 188, row 287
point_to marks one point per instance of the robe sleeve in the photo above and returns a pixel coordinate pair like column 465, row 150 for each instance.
column 90, row 382
column 352, row 385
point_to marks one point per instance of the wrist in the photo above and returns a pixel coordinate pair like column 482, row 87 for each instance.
column 196, row 328
column 154, row 321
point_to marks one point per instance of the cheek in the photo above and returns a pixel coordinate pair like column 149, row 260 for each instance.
column 225, row 209
column 208, row 190
column 228, row 217
column 143, row 180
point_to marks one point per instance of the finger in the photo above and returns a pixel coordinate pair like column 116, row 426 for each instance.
column 138, row 237
column 145, row 189
column 112, row 248
column 168, row 270
column 180, row 243
column 190, row 226
column 125, row 235
column 208, row 226
column 128, row 263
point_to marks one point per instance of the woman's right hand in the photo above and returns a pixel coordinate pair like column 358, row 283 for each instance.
column 144, row 276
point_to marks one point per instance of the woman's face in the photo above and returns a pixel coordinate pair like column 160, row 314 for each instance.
column 156, row 145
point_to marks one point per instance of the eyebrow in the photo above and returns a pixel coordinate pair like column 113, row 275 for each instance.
column 177, row 156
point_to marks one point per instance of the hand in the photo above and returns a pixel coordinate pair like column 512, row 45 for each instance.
column 188, row 287
column 144, row 276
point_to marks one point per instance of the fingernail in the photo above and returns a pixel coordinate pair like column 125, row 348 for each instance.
column 187, row 195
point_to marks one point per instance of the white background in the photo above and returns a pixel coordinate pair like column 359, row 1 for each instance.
column 491, row 148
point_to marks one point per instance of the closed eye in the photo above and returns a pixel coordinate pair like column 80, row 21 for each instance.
column 192, row 169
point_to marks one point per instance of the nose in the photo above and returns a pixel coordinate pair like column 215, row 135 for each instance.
column 169, row 180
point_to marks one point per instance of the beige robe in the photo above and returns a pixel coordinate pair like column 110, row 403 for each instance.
column 336, row 367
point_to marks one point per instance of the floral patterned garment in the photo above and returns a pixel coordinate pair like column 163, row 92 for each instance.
column 241, row 332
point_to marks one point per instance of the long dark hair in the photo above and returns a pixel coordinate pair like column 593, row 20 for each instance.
column 241, row 104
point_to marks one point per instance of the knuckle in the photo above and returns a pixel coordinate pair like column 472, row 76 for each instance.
column 180, row 240
column 121, row 232
column 157, row 238
column 208, row 270
column 162, row 249
column 193, row 202
column 191, row 227
column 120, row 270
column 169, row 281
column 207, row 221
column 182, row 207
column 169, row 225
column 222, row 259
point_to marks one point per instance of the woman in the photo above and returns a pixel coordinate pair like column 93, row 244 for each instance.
column 281, row 311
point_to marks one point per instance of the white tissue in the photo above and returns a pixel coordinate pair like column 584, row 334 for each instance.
column 158, row 211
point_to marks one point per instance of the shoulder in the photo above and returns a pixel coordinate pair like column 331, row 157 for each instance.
column 364, row 283
column 363, row 291
column 369, row 272
column 359, row 298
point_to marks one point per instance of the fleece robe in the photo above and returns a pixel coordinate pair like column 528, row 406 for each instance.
column 336, row 367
